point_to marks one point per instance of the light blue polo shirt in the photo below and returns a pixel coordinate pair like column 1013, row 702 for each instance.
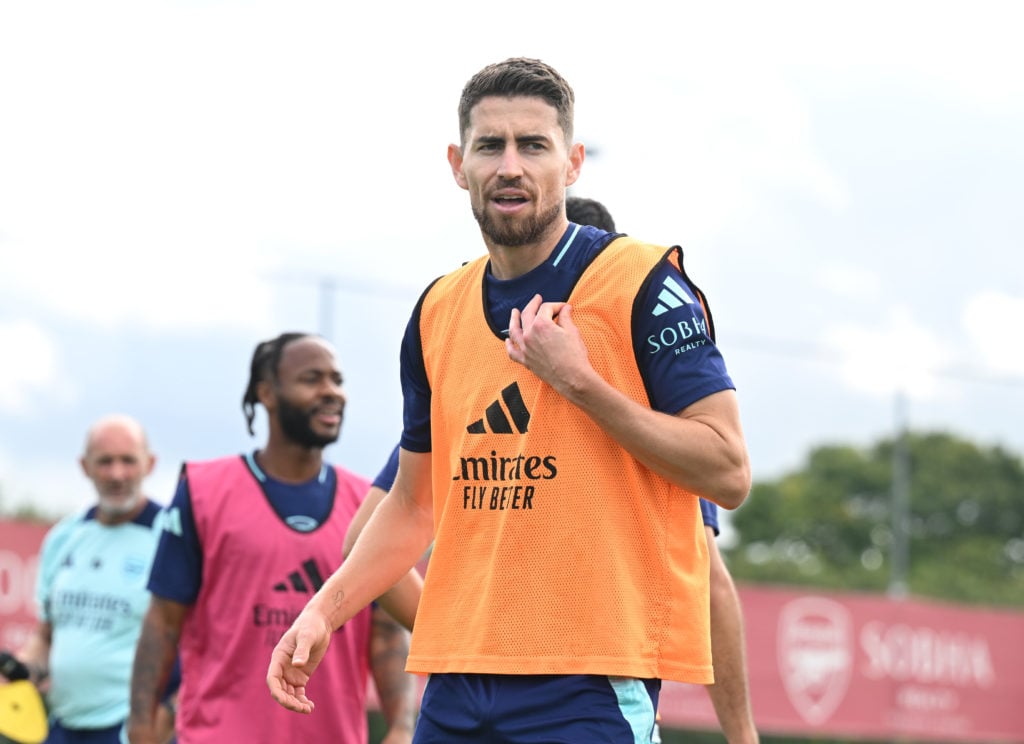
column 91, row 588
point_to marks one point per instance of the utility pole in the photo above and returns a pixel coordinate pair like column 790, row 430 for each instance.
column 900, row 556
column 327, row 289
column 328, row 286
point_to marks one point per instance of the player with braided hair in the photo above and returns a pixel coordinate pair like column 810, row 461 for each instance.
column 263, row 367
column 247, row 540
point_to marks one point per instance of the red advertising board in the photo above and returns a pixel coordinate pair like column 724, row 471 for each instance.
column 867, row 667
column 19, row 558
column 820, row 663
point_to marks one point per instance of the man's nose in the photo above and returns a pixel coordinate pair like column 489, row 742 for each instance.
column 118, row 471
column 511, row 164
column 332, row 389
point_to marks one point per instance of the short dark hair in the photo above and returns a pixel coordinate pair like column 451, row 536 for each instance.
column 585, row 211
column 265, row 360
column 519, row 76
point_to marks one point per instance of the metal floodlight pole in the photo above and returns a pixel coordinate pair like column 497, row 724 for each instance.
column 900, row 547
column 327, row 289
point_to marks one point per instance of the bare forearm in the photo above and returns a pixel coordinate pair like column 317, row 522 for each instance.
column 35, row 653
column 402, row 600
column 154, row 658
column 373, row 498
column 390, row 545
column 395, row 537
column 396, row 688
column 730, row 693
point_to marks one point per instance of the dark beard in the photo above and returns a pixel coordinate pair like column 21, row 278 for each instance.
column 296, row 427
column 513, row 233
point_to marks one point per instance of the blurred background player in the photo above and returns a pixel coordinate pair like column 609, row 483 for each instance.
column 91, row 592
column 730, row 694
column 248, row 540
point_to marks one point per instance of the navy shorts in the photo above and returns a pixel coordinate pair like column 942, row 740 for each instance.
column 60, row 735
column 536, row 709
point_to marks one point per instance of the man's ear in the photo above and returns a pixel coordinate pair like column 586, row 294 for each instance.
column 455, row 161
column 265, row 394
column 577, row 154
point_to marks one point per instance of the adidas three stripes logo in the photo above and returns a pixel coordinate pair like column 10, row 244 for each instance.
column 672, row 295
column 500, row 421
column 297, row 579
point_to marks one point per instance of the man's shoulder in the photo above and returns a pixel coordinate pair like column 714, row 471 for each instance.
column 150, row 516
column 69, row 523
column 627, row 244
column 466, row 270
column 469, row 265
column 210, row 481
column 236, row 457
column 225, row 462
column 65, row 530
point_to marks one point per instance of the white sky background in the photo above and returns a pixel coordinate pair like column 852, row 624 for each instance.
column 176, row 178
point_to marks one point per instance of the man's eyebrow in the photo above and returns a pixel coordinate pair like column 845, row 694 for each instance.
column 491, row 139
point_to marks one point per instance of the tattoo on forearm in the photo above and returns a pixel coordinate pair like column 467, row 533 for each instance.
column 395, row 687
column 151, row 669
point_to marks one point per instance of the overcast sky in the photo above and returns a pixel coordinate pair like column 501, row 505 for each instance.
column 180, row 180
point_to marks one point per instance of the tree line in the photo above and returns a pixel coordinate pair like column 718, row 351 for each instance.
column 830, row 523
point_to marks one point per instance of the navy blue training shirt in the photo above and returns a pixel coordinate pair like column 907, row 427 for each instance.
column 671, row 336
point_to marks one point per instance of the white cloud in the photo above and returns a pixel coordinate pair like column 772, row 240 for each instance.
column 31, row 366
column 160, row 157
column 182, row 166
column 708, row 151
column 126, row 276
column 994, row 321
column 899, row 356
column 849, row 282
column 965, row 51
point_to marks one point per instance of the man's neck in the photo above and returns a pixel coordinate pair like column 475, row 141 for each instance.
column 109, row 519
column 509, row 262
column 290, row 462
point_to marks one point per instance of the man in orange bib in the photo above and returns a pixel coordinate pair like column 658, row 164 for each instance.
column 565, row 408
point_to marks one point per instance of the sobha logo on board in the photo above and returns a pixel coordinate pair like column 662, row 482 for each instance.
column 502, row 482
column 682, row 335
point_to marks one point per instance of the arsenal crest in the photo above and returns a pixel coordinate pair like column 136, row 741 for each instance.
column 815, row 655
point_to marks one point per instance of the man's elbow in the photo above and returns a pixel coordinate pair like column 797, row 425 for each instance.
column 734, row 486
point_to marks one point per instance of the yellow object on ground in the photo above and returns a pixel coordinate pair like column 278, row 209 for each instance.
column 22, row 713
